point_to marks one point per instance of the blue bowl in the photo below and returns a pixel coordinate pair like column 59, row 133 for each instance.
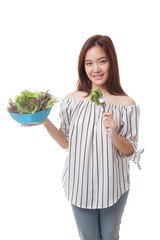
column 33, row 118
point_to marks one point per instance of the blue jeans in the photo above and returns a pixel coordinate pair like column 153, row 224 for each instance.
column 96, row 224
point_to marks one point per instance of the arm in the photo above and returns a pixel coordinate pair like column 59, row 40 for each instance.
column 122, row 145
column 56, row 134
column 59, row 135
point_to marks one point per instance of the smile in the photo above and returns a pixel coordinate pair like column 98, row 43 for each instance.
column 98, row 77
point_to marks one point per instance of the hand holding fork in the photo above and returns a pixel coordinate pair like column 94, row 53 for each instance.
column 103, row 104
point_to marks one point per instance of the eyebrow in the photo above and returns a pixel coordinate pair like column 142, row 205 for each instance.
column 98, row 59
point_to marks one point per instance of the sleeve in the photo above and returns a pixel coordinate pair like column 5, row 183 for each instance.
column 64, row 117
column 129, row 131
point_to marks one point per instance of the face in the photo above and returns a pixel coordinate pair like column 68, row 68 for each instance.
column 97, row 67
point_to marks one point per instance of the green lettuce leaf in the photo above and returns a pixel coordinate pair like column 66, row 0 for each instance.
column 30, row 102
column 95, row 95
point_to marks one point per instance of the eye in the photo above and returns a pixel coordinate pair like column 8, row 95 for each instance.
column 88, row 63
column 103, row 61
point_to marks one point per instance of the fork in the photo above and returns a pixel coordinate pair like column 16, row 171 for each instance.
column 103, row 104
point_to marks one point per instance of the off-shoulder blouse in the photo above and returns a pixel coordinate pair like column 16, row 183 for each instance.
column 96, row 174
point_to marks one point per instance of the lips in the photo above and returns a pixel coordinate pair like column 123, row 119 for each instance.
column 98, row 76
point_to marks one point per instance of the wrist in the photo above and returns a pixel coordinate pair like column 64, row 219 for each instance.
column 115, row 137
column 45, row 122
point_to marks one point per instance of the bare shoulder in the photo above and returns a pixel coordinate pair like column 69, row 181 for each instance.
column 70, row 95
column 77, row 95
column 126, row 101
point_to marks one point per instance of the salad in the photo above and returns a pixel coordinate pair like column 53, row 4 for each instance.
column 95, row 95
column 31, row 102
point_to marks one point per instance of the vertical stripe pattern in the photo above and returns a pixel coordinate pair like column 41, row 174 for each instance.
column 96, row 174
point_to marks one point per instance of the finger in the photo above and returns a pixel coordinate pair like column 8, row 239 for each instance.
column 107, row 120
column 107, row 114
column 107, row 125
column 27, row 125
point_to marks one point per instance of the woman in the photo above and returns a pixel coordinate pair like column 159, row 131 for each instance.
column 96, row 173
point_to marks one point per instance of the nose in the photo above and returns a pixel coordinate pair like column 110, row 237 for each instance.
column 96, row 68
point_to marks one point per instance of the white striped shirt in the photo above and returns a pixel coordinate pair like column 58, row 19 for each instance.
column 96, row 174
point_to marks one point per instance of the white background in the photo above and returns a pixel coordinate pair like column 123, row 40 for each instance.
column 39, row 46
